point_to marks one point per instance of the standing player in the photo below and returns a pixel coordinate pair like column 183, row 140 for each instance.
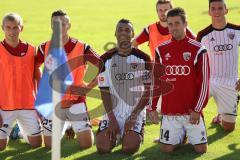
column 187, row 69
column 17, row 94
column 222, row 40
column 123, row 82
column 81, row 52
column 156, row 34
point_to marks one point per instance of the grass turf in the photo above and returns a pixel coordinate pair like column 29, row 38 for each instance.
column 94, row 23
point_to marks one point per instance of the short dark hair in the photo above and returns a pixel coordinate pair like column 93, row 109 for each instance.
column 177, row 12
column 159, row 2
column 210, row 1
column 125, row 21
column 59, row 13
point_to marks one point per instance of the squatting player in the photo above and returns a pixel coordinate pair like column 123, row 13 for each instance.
column 18, row 85
column 78, row 53
column 222, row 40
column 124, row 84
column 187, row 69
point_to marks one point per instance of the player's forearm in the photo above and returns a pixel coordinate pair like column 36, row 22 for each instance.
column 91, row 85
column 141, row 38
column 107, row 102
column 142, row 103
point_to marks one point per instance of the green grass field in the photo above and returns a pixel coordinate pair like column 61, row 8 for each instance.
column 94, row 23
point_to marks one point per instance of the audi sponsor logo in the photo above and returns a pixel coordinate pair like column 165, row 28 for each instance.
column 224, row 47
column 124, row 76
column 178, row 70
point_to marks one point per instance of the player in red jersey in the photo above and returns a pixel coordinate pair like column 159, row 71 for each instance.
column 187, row 69
column 74, row 49
column 156, row 34
column 17, row 94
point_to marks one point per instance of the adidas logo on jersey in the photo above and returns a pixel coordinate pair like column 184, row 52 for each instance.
column 114, row 65
column 167, row 56
column 212, row 39
column 203, row 139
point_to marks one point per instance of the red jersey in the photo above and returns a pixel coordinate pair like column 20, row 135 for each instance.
column 20, row 50
column 187, row 68
column 88, row 55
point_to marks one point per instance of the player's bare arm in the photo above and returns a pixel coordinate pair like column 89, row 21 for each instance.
column 134, row 43
column 194, row 117
column 1, row 121
column 238, row 85
column 113, row 128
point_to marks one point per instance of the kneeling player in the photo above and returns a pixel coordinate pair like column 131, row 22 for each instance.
column 188, row 70
column 17, row 88
column 76, row 52
column 124, row 83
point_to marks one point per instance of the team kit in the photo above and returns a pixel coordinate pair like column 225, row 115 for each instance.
column 175, row 80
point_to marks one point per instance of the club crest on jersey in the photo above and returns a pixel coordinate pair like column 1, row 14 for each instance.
column 231, row 36
column 186, row 56
column 167, row 56
column 101, row 80
column 134, row 65
column 50, row 64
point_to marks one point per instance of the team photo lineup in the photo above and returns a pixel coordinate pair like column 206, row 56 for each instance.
column 154, row 101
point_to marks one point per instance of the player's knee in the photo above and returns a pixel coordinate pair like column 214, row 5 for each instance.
column 2, row 147
column 131, row 142
column 48, row 142
column 167, row 148
column 103, row 148
column 85, row 139
column 201, row 148
column 228, row 127
column 35, row 142
column 103, row 144
column 130, row 149
column 88, row 143
column 3, row 144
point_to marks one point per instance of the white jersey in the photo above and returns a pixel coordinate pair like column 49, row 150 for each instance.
column 125, row 77
column 222, row 46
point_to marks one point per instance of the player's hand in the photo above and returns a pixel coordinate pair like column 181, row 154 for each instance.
column 113, row 129
column 237, row 85
column 153, row 116
column 194, row 117
column 1, row 121
column 128, row 126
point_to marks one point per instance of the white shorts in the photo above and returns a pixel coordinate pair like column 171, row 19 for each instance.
column 27, row 119
column 175, row 128
column 121, row 119
column 226, row 99
column 76, row 116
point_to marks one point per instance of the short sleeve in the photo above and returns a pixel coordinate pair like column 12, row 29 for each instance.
column 103, row 77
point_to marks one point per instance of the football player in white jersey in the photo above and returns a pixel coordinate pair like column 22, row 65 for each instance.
column 124, row 81
column 222, row 40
